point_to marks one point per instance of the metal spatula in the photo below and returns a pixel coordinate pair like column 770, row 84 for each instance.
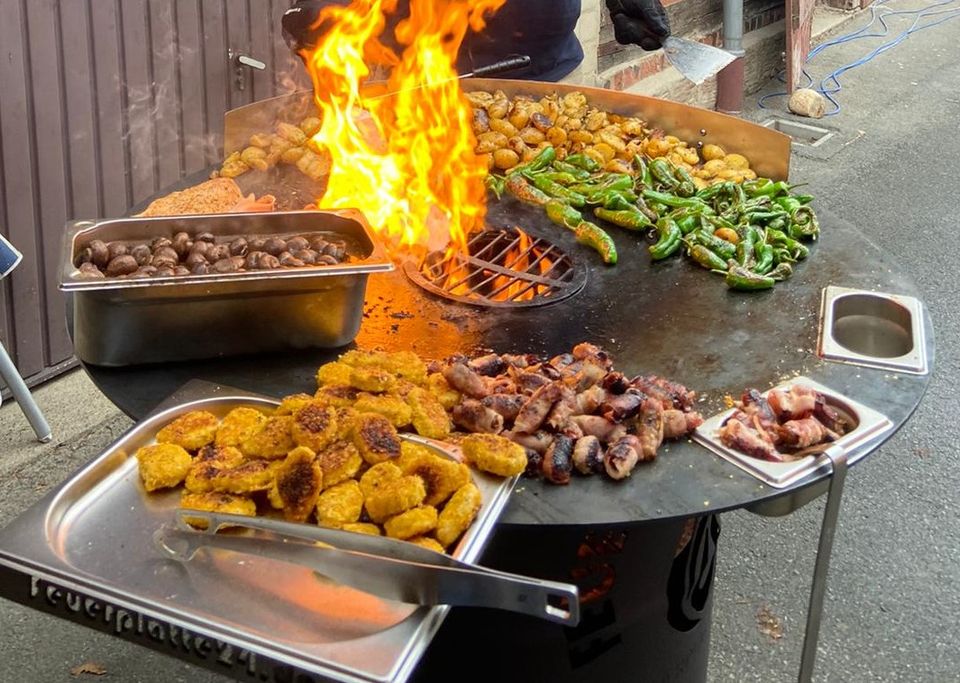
column 695, row 61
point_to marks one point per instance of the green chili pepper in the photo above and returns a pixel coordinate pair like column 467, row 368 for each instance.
column 803, row 223
column 560, row 177
column 688, row 222
column 778, row 238
column 584, row 162
column 646, row 210
column 643, row 177
column 563, row 214
column 627, row 218
column 525, row 192
column 540, row 162
column 781, row 223
column 764, row 259
column 556, row 190
column 620, row 182
column 763, row 216
column 579, row 173
column 788, row 204
column 705, row 257
column 616, row 201
column 686, row 188
column 803, row 198
column 743, row 279
column 782, row 272
column 670, row 239
column 594, row 237
column 725, row 249
column 662, row 173
column 677, row 202
column 496, row 184
column 764, row 187
column 783, row 255
column 745, row 248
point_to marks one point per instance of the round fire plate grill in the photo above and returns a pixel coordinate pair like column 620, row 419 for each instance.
column 503, row 268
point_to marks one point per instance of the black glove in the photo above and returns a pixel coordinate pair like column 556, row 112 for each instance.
column 298, row 20
column 642, row 22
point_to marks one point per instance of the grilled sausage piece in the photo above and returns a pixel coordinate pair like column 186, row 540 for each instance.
column 674, row 423
column 537, row 407
column 508, row 405
column 622, row 406
column 588, row 455
column 475, row 417
column 558, row 460
column 600, row 427
column 622, row 457
column 490, row 365
column 562, row 410
column 465, row 380
column 650, row 428
column 538, row 441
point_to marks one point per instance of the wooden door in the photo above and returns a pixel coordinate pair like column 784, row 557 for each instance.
column 104, row 103
column 799, row 24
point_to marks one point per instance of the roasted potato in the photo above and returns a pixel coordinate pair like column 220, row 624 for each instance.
column 314, row 426
column 163, row 465
column 340, row 504
column 272, row 441
column 239, row 425
column 190, row 431
column 298, row 483
column 458, row 514
column 495, row 454
column 415, row 522
column 396, row 496
column 339, row 461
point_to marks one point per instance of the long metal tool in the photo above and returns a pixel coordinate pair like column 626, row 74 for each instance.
column 818, row 589
column 385, row 567
column 695, row 61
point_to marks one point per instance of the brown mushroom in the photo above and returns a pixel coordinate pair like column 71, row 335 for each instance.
column 122, row 265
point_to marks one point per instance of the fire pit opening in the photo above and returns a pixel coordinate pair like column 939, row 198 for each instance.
column 500, row 268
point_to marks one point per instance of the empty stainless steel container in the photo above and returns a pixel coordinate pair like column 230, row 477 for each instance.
column 119, row 321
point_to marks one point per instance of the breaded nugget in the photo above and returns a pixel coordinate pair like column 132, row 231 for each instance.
column 362, row 528
column 377, row 476
column 427, row 414
column 338, row 396
column 224, row 456
column 345, row 418
column 249, row 476
column 339, row 461
column 314, row 426
column 372, row 379
column 291, row 404
column 238, row 426
column 340, row 504
column 438, row 386
column 333, row 373
column 404, row 364
column 298, row 483
column 428, row 543
column 395, row 497
column 375, row 437
column 441, row 476
column 495, row 454
column 273, row 441
column 215, row 501
column 457, row 514
column 394, row 408
column 361, row 358
column 415, row 522
column 191, row 430
column 162, row 465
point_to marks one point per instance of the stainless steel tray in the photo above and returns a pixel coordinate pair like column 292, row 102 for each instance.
column 871, row 426
column 126, row 322
column 93, row 535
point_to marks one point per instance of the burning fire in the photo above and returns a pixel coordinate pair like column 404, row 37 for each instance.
column 405, row 160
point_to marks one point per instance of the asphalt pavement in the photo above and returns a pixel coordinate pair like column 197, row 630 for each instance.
column 893, row 599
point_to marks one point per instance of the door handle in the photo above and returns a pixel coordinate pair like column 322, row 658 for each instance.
column 239, row 61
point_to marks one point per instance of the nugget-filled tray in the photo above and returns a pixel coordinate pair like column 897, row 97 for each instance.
column 93, row 534
column 870, row 425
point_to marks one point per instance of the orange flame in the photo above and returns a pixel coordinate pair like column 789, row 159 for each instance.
column 405, row 160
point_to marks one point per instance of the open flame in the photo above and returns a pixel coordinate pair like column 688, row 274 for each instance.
column 406, row 160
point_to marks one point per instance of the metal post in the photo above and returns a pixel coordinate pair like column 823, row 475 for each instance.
column 10, row 375
column 838, row 459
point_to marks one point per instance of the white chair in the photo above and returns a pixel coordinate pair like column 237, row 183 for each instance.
column 10, row 259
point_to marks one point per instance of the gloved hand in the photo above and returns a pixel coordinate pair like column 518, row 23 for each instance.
column 642, row 22
column 298, row 20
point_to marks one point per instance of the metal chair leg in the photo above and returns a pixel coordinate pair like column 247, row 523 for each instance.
column 838, row 458
column 21, row 393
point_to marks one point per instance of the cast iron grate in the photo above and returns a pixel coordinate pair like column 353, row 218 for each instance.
column 502, row 269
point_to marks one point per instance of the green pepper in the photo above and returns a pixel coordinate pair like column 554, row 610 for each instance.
column 647, row 210
column 780, row 239
column 782, row 255
column 662, row 172
column 705, row 257
column 764, row 255
column 670, row 239
column 540, row 162
column 577, row 172
column 688, row 222
column 496, row 184
column 617, row 201
column 627, row 218
column 725, row 249
column 525, row 192
column 561, row 177
column 788, row 204
column 594, row 237
column 643, row 177
column 803, row 198
column 763, row 216
column 745, row 248
column 803, row 223
column 781, row 272
column 677, row 202
column 744, row 279
column 563, row 214
column 620, row 182
column 686, row 187
column 584, row 162
column 556, row 190
column 764, row 187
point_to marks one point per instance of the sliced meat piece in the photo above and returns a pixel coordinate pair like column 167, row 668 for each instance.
column 620, row 407
column 473, row 416
column 694, row 420
column 558, row 461
column 615, row 382
column 735, row 434
column 762, row 417
column 548, row 371
column 622, row 457
column 529, row 381
column 600, row 427
column 650, row 428
column 587, row 351
column 465, row 380
column 674, row 423
column 805, row 432
column 538, row 441
column 489, row 365
column 523, row 360
column 562, row 361
column 508, row 405
column 588, row 455
column 794, row 403
column 829, row 416
column 571, row 429
column 654, row 391
column 534, row 464
column 562, row 410
column 587, row 376
column 500, row 385
column 589, row 400
column 537, row 407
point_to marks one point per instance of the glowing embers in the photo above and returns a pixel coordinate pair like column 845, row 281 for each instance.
column 500, row 268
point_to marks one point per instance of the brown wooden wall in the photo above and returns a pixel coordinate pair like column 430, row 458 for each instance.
column 102, row 104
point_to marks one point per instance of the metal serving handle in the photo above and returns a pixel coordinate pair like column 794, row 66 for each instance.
column 389, row 568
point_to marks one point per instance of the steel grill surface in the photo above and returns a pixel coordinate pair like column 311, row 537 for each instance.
column 502, row 268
